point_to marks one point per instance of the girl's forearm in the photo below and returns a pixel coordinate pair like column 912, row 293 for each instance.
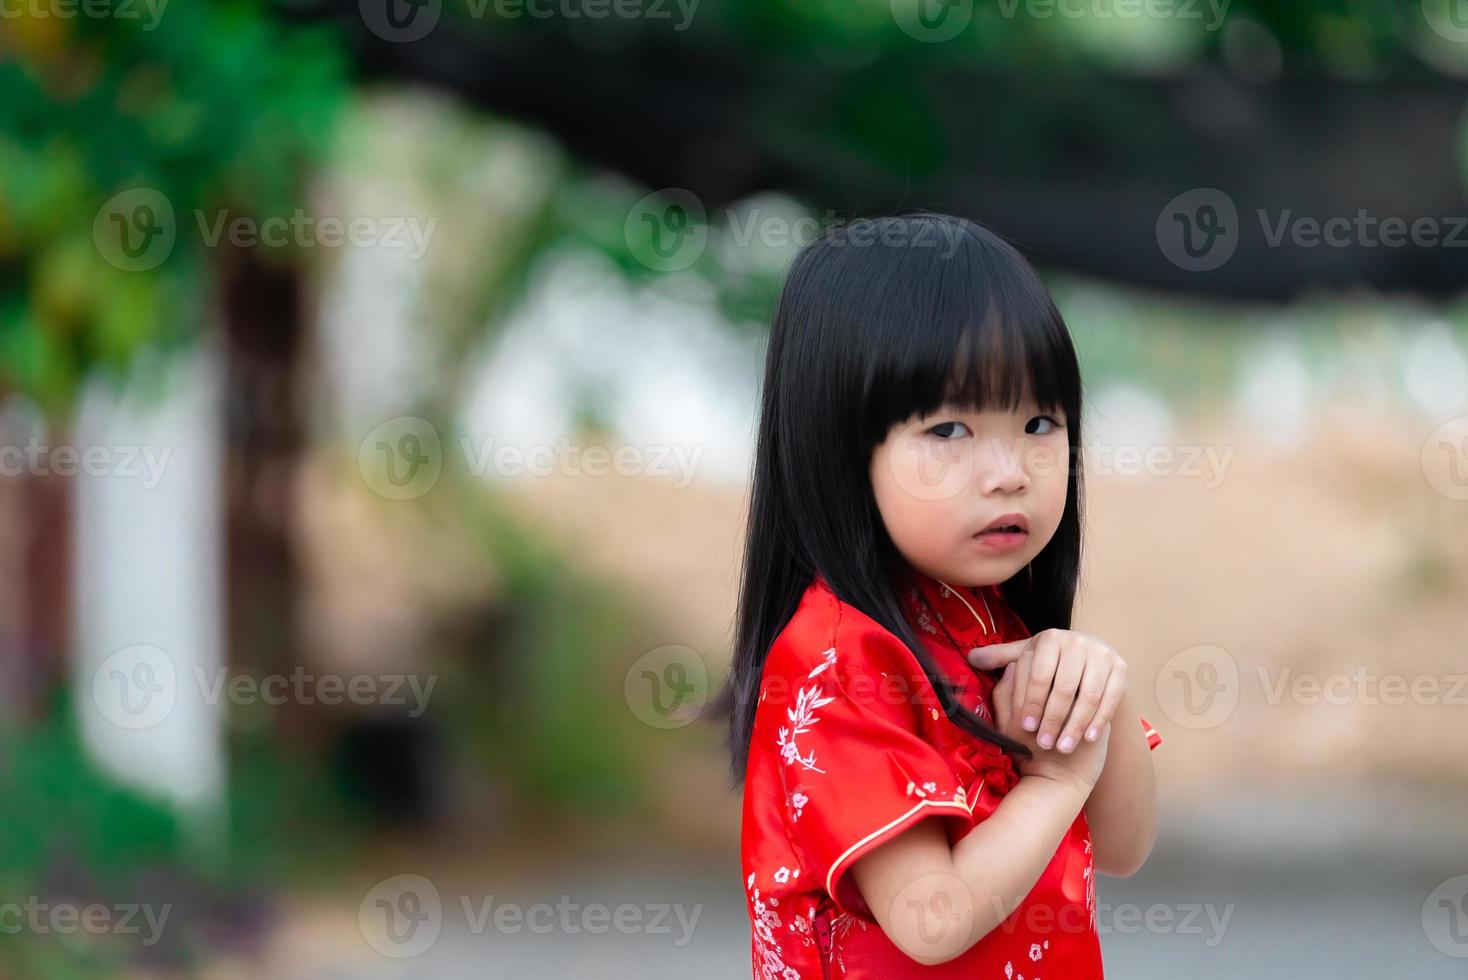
column 1001, row 859
column 1122, row 809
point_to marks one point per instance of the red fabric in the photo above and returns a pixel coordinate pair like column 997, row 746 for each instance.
column 849, row 749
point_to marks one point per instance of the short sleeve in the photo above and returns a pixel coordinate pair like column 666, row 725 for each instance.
column 1153, row 739
column 857, row 767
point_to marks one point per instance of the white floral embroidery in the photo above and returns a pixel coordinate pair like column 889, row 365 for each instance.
column 782, row 875
column 803, row 927
column 802, row 716
column 798, row 800
column 830, row 659
column 764, row 920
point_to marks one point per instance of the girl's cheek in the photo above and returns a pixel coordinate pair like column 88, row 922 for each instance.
column 1047, row 462
column 925, row 471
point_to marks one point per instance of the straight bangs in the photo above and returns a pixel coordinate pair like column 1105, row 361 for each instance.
column 980, row 334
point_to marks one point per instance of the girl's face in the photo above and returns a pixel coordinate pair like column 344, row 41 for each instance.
column 945, row 481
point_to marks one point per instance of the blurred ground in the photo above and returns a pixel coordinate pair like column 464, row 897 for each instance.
column 1202, row 907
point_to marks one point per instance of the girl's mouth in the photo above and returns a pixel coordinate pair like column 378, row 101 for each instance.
column 1005, row 533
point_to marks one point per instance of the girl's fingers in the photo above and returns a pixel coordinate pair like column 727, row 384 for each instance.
column 1020, row 680
column 1043, row 658
column 1068, row 671
column 1087, row 703
column 1003, row 693
column 1110, row 701
column 998, row 654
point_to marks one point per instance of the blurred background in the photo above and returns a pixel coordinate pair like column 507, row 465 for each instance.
column 377, row 385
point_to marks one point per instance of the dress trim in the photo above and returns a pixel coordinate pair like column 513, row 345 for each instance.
column 900, row 823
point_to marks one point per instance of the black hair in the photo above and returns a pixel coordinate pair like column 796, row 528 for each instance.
column 880, row 320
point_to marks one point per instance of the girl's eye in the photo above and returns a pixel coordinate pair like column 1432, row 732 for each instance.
column 1041, row 425
column 949, row 430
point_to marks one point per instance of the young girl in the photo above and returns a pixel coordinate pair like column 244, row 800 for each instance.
column 931, row 777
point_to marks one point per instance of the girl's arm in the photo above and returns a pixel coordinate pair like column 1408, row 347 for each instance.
column 1122, row 810
column 935, row 901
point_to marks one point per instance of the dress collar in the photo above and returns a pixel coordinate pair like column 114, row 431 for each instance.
column 972, row 615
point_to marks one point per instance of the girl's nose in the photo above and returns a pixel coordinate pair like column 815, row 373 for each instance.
column 1004, row 468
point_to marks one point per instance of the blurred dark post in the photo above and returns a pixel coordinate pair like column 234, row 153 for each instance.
column 262, row 324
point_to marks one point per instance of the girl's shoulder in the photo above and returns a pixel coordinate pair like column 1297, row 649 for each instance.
column 828, row 636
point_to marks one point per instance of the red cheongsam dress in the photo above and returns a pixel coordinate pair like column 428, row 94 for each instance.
column 849, row 749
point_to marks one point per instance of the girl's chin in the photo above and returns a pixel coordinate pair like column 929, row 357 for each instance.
column 990, row 569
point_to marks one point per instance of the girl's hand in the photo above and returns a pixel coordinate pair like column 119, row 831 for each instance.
column 1069, row 684
column 1084, row 764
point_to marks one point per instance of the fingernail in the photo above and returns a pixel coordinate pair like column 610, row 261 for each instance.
column 1046, row 740
column 1067, row 743
column 1092, row 734
column 1031, row 724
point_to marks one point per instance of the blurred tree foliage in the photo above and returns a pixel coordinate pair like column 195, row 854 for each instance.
column 215, row 106
column 223, row 107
